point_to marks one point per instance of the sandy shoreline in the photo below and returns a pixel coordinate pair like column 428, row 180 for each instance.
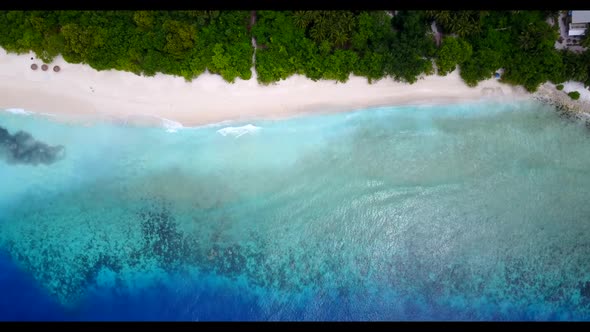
column 79, row 92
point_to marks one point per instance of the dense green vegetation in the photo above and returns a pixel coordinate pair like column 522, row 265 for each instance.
column 182, row 43
column 454, row 51
column 335, row 44
column 520, row 42
column 559, row 87
column 318, row 44
column 575, row 95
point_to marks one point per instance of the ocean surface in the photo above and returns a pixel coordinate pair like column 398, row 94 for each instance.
column 473, row 211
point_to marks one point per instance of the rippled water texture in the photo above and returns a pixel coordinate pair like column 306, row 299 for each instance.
column 475, row 211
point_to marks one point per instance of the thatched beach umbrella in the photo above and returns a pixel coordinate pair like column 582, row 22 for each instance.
column 34, row 66
column 44, row 67
column 56, row 68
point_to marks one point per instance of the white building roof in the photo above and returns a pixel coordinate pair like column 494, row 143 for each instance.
column 580, row 16
column 576, row 32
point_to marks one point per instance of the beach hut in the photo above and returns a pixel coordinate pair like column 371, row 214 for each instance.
column 44, row 67
column 34, row 66
column 56, row 69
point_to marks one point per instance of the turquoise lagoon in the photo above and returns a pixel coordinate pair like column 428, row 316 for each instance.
column 473, row 211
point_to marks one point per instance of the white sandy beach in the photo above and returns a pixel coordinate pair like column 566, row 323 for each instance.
column 82, row 93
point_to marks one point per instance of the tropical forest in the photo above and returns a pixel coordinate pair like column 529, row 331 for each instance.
column 329, row 45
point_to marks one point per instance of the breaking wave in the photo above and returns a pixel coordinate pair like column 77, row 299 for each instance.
column 239, row 131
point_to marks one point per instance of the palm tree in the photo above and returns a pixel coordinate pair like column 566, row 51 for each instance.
column 340, row 37
column 464, row 23
column 303, row 18
column 298, row 19
column 528, row 38
column 442, row 17
column 342, row 27
column 347, row 20
column 332, row 26
column 319, row 30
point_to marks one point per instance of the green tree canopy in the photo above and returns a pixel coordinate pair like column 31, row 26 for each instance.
column 454, row 51
column 318, row 44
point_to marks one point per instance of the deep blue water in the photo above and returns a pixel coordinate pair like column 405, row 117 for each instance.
column 24, row 300
column 473, row 211
column 22, row 297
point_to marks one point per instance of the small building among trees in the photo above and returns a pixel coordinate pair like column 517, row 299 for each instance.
column 578, row 22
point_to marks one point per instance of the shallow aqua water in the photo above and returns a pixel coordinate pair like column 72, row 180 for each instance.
column 475, row 211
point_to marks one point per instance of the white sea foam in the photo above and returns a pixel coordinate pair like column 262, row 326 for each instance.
column 212, row 125
column 18, row 111
column 47, row 114
column 239, row 131
column 171, row 126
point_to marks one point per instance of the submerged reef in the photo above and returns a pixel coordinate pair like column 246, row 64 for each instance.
column 156, row 238
column 427, row 217
column 22, row 148
column 161, row 237
column 73, row 249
